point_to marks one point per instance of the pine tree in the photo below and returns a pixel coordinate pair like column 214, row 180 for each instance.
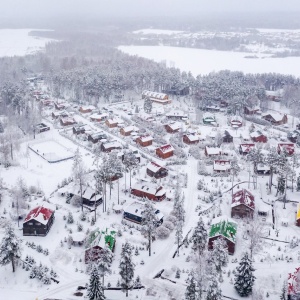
column 244, row 278
column 281, row 184
column 213, row 290
column 126, row 268
column 148, row 105
column 283, row 294
column 271, row 160
column 149, row 222
column 104, row 262
column 190, row 292
column 10, row 248
column 199, row 237
column 178, row 234
column 70, row 218
column 298, row 184
column 219, row 256
column 95, row 289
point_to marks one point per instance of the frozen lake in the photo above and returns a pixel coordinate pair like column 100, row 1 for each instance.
column 19, row 42
column 200, row 61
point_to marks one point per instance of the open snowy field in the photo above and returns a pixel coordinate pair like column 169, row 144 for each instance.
column 19, row 42
column 157, row 31
column 200, row 61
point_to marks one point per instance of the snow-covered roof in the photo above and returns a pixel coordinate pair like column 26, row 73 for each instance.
column 256, row 134
column 247, row 147
column 262, row 167
column 213, row 150
column 289, row 147
column 68, row 120
column 130, row 128
column 223, row 226
column 148, row 187
column 176, row 113
column 276, row 116
column 221, row 165
column 166, row 148
column 209, row 116
column 137, row 208
column 113, row 144
column 243, row 197
column 174, row 126
column 154, row 167
column 101, row 238
column 87, row 192
column 192, row 137
column 88, row 107
column 154, row 95
column 40, row 214
column 277, row 93
column 146, row 138
column 98, row 116
column 114, row 121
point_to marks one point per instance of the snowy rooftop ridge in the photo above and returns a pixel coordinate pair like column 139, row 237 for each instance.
column 154, row 167
column 166, row 148
column 243, row 197
column 223, row 226
column 40, row 214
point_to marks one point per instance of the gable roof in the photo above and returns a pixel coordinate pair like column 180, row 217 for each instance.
column 137, row 209
column 40, row 214
column 221, row 165
column 146, row 138
column 243, row 197
column 246, row 147
column 149, row 188
column 154, row 167
column 166, row 148
column 223, row 226
column 154, row 95
column 213, row 150
column 256, row 134
column 101, row 238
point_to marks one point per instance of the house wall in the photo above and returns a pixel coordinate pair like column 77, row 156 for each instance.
column 143, row 194
column 143, row 144
column 298, row 222
column 187, row 141
column 159, row 174
column 125, row 133
column 37, row 229
column 230, row 245
column 241, row 211
column 163, row 155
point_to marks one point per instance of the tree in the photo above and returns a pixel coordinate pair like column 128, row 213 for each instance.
column 190, row 292
column 199, row 237
column 95, row 289
column 281, row 184
column 178, row 233
column 283, row 294
column 244, row 278
column 219, row 256
column 298, row 183
column 255, row 156
column 130, row 162
column 149, row 222
column 255, row 231
column 126, row 268
column 271, row 160
column 104, row 262
column 148, row 105
column 213, row 290
column 10, row 248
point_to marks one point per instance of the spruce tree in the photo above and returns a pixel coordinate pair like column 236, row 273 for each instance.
column 298, row 184
column 244, row 278
column 190, row 292
column 219, row 256
column 126, row 268
column 10, row 248
column 104, row 262
column 283, row 294
column 148, row 105
column 281, row 184
column 95, row 289
column 213, row 290
column 199, row 237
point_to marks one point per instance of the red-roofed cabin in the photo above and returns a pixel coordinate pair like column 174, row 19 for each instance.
column 165, row 151
column 144, row 141
column 289, row 148
column 244, row 149
column 38, row 221
column 243, row 204
column 156, row 171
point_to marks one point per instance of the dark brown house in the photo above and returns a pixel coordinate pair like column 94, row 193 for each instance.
column 87, row 109
column 67, row 121
column 275, row 118
column 78, row 129
column 227, row 137
column 96, row 137
column 111, row 123
column 165, row 151
column 251, row 111
column 156, row 171
column 243, row 204
column 126, row 131
column 258, row 137
column 110, row 146
column 38, row 221
column 190, row 139
column 144, row 141
column 149, row 190
column 173, row 127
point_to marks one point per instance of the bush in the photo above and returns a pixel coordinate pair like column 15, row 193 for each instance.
column 171, row 219
column 169, row 225
column 162, row 232
column 76, row 201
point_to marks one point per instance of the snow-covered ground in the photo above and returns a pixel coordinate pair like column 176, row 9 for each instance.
column 157, row 31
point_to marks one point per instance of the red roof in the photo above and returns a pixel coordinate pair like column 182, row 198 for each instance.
column 289, row 147
column 246, row 147
column 293, row 282
column 40, row 214
column 243, row 197
column 166, row 148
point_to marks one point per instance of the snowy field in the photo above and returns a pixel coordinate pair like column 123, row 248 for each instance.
column 18, row 42
column 200, row 61
column 51, row 151
column 157, row 31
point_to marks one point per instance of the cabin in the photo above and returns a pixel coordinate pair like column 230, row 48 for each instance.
column 223, row 227
column 149, row 190
column 258, row 137
column 173, row 127
column 112, row 123
column 135, row 153
column 98, row 117
column 160, row 98
column 275, row 95
column 243, row 204
column 165, row 151
column 110, row 146
column 244, row 149
column 275, row 118
column 86, row 109
column 67, row 121
column 293, row 136
column 144, row 141
column 96, row 137
column 79, row 129
column 41, row 127
column 156, row 171
column 176, row 115
column 221, row 166
column 134, row 213
column 209, row 119
column 212, row 151
column 251, row 111
column 227, row 137
column 60, row 106
column 38, row 221
column 89, row 195
column 236, row 122
column 288, row 147
column 262, row 169
column 190, row 139
column 98, row 240
column 126, row 131
column 59, row 114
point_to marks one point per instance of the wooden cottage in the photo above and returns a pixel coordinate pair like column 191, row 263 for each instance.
column 165, row 151
column 156, row 171
column 86, row 109
column 251, row 111
column 244, row 149
column 149, row 190
column 275, row 118
column 212, row 151
column 59, row 114
column 79, row 129
column 126, row 131
column 173, row 127
column 89, row 196
column 223, row 227
column 134, row 213
column 288, row 147
column 110, row 146
column 221, row 166
column 38, row 221
column 227, row 137
column 243, row 204
column 98, row 240
column 275, row 95
column 160, row 98
column 98, row 117
column 67, row 121
column 144, row 141
column 190, row 139
column 258, row 137
column 97, row 137
column 112, row 123
column 134, row 153
column 60, row 106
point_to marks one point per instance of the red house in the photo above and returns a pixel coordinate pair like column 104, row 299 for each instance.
column 144, row 141
column 173, row 127
column 243, row 204
column 112, row 123
column 149, row 190
column 244, row 149
column 289, row 148
column 190, row 139
column 67, row 121
column 156, row 171
column 258, row 137
column 165, row 151
column 236, row 122
column 87, row 109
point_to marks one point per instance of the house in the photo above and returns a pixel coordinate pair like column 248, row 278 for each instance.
column 156, row 171
column 178, row 90
column 190, row 139
column 135, row 153
column 212, row 108
column 251, row 111
column 86, row 109
column 275, row 95
column 149, row 190
column 293, row 135
column 60, row 106
column 110, row 146
column 293, row 289
column 221, row 166
column 227, row 137
column 126, row 131
column 173, row 127
column 144, row 141
column 98, row 117
column 275, row 118
column 209, row 119
column 79, row 129
column 289, row 148
column 41, row 127
column 224, row 103
column 236, row 122
column 112, row 123
column 38, row 221
column 89, row 196
column 262, row 169
column 59, row 114
column 134, row 213
column 223, row 227
column 98, row 240
column 244, row 149
column 96, row 137
column 243, row 204
column 212, row 151
column 258, row 137
column 165, row 151
column 176, row 115
column 156, row 97
column 46, row 102
column 67, row 121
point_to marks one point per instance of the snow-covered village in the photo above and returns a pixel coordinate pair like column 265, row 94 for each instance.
column 123, row 176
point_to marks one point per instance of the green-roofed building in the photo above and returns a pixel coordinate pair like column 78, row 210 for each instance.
column 223, row 227
column 97, row 240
